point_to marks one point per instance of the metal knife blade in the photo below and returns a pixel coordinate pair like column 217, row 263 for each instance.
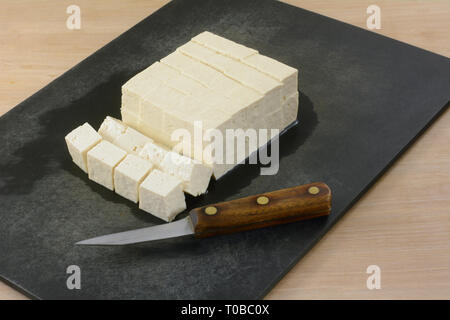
column 178, row 228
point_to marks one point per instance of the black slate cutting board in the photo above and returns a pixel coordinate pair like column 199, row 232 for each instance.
column 364, row 98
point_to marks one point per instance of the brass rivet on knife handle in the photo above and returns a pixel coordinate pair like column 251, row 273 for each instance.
column 263, row 200
column 286, row 205
column 210, row 211
column 313, row 190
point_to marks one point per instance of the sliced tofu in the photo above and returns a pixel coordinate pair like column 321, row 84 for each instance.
column 194, row 174
column 129, row 174
column 290, row 110
column 135, row 89
column 190, row 67
column 162, row 195
column 130, row 119
column 79, row 142
column 132, row 141
column 102, row 160
column 188, row 86
column 123, row 136
column 111, row 129
column 154, row 153
column 277, row 70
column 161, row 72
column 223, row 46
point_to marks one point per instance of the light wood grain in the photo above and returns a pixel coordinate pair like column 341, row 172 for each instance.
column 402, row 224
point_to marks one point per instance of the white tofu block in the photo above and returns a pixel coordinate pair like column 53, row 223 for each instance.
column 79, row 142
column 254, row 79
column 129, row 174
column 130, row 119
column 206, row 56
column 161, row 195
column 188, row 85
column 135, row 89
column 111, row 129
column 154, row 105
column 194, row 175
column 290, row 110
column 274, row 120
column 132, row 141
column 161, row 72
column 277, row 70
column 153, row 153
column 190, row 67
column 102, row 159
column 224, row 46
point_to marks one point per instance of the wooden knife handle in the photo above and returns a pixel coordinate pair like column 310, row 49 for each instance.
column 263, row 210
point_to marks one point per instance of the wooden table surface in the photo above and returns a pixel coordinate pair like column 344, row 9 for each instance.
column 401, row 225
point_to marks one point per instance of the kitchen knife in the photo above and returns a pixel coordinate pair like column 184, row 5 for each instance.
column 253, row 212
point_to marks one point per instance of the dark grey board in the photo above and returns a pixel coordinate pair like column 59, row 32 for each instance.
column 364, row 99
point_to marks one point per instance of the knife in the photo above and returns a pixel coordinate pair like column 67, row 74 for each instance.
column 253, row 212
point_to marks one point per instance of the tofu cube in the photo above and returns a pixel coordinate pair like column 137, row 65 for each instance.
column 102, row 160
column 132, row 141
column 194, row 175
column 79, row 142
column 161, row 195
column 153, row 153
column 111, row 129
column 129, row 174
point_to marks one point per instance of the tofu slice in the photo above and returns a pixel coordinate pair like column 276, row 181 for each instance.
column 102, row 160
column 194, row 175
column 188, row 85
column 277, row 70
column 224, row 46
column 154, row 153
column 129, row 174
column 79, row 142
column 190, row 67
column 161, row 195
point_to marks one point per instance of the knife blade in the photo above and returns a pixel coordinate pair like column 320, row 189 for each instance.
column 277, row 207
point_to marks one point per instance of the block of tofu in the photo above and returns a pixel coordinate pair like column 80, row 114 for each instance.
column 190, row 67
column 132, row 141
column 194, row 174
column 129, row 174
column 290, row 110
column 102, row 160
column 130, row 119
column 277, row 70
column 154, row 153
column 123, row 136
column 235, row 72
column 221, row 83
column 162, row 195
column 223, row 45
column 111, row 129
column 137, row 87
column 79, row 142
